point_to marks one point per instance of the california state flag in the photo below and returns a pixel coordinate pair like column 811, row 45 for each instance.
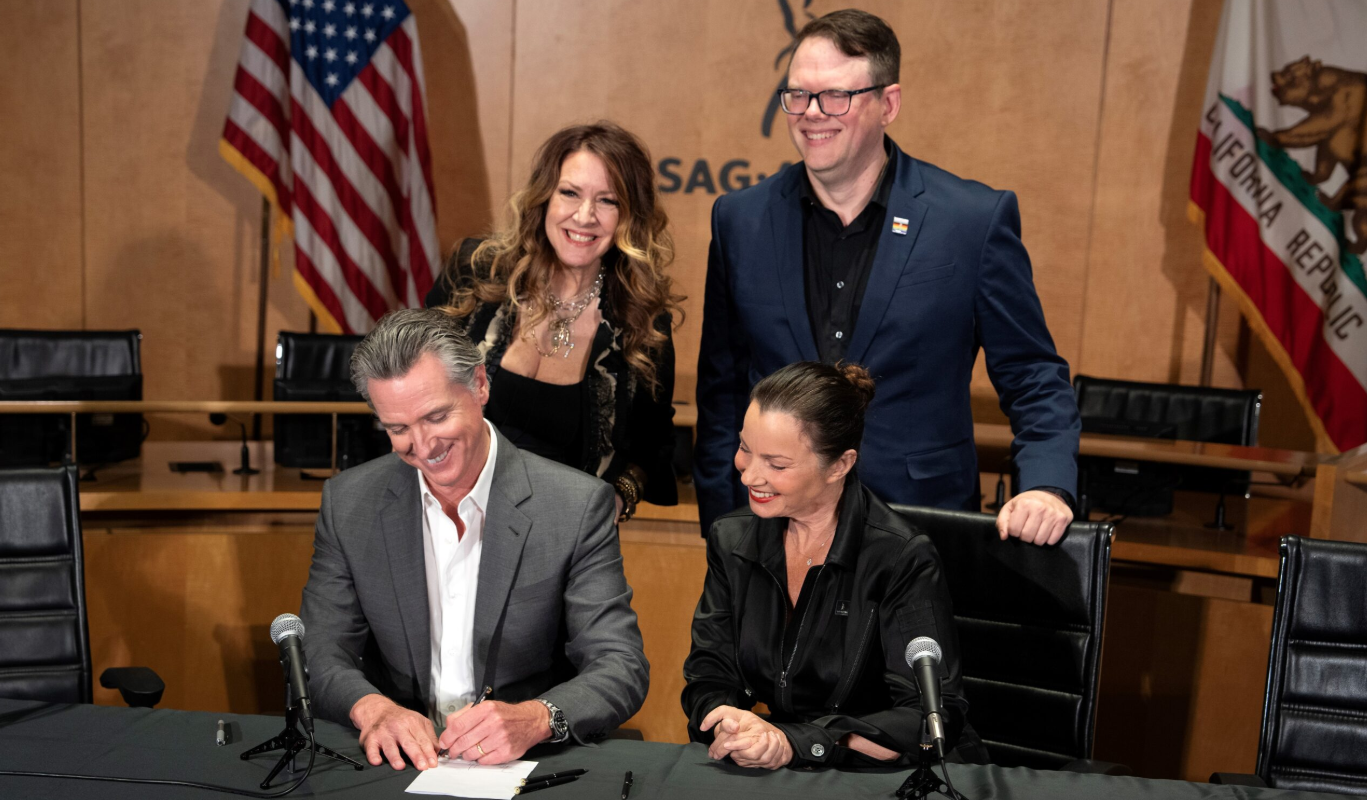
column 1280, row 186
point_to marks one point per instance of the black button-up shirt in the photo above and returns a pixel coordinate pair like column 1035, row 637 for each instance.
column 836, row 261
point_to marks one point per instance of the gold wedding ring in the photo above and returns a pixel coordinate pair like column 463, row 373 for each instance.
column 480, row 748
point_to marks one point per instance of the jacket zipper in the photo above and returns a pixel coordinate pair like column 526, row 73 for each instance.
column 735, row 641
column 797, row 640
column 853, row 675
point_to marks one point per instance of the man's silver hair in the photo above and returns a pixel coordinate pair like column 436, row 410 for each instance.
column 402, row 337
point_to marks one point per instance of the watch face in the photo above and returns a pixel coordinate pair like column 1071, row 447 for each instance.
column 560, row 729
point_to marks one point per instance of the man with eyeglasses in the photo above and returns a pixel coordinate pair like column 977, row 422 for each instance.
column 865, row 254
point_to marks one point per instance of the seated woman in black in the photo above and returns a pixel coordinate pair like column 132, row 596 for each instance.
column 571, row 306
column 812, row 594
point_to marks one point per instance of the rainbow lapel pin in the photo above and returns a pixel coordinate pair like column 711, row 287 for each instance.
column 899, row 226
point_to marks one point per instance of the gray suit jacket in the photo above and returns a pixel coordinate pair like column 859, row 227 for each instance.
column 553, row 614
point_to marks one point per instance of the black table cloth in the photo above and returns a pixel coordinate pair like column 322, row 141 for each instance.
column 160, row 743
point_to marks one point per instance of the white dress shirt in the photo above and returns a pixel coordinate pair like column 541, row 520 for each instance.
column 452, row 564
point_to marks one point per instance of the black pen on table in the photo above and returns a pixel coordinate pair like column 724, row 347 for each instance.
column 488, row 690
column 626, row 786
column 546, row 784
column 569, row 773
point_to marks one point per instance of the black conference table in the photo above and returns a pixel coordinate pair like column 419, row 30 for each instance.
column 100, row 740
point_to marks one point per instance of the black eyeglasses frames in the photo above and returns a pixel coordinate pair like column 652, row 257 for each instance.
column 832, row 102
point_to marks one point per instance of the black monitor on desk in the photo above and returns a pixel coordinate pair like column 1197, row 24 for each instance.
column 69, row 365
column 316, row 367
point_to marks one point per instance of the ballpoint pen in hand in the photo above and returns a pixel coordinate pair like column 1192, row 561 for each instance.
column 488, row 690
column 626, row 786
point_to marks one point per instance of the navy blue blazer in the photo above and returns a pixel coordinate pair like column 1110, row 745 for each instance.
column 957, row 280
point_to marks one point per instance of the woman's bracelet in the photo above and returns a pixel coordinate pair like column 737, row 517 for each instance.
column 628, row 486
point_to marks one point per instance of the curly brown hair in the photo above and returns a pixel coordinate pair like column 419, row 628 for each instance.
column 515, row 263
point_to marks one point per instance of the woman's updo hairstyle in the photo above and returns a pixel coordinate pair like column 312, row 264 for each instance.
column 828, row 401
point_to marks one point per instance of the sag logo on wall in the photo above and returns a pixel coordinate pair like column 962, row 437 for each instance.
column 734, row 174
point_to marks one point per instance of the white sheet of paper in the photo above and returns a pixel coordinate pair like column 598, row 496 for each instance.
column 467, row 779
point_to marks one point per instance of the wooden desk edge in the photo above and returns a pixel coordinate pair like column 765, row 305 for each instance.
column 1244, row 564
column 1292, row 463
column 200, row 501
column 683, row 512
column 178, row 407
column 1289, row 463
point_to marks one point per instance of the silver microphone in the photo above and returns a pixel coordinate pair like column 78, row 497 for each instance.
column 287, row 631
column 923, row 655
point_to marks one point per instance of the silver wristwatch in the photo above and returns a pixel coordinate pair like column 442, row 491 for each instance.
column 560, row 729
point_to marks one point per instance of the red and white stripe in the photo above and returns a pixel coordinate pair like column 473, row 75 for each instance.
column 357, row 178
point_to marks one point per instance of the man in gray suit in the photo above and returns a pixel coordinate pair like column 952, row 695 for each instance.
column 459, row 569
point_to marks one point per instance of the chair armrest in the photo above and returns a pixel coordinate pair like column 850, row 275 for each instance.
column 140, row 686
column 1090, row 767
column 1236, row 779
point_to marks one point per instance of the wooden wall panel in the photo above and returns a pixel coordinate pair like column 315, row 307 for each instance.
column 173, row 232
column 665, row 564
column 489, row 31
column 1009, row 94
column 1182, row 678
column 40, row 165
column 1145, row 282
column 193, row 599
column 467, row 59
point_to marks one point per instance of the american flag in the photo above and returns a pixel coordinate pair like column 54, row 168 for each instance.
column 327, row 121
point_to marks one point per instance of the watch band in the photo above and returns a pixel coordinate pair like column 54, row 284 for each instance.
column 560, row 729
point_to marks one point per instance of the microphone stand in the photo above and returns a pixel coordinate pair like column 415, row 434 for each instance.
column 246, row 468
column 293, row 742
column 923, row 782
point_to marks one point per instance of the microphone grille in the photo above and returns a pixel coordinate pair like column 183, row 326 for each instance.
column 287, row 624
column 920, row 647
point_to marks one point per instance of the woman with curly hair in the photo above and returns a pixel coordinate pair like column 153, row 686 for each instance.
column 573, row 310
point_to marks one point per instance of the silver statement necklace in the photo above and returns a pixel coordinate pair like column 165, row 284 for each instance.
column 564, row 313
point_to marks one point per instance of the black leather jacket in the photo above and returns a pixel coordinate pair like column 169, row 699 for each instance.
column 835, row 664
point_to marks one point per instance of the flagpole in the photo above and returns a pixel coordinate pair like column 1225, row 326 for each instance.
column 1212, row 324
column 264, row 278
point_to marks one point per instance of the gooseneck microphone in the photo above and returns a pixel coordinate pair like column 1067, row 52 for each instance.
column 287, row 631
column 246, row 468
column 923, row 656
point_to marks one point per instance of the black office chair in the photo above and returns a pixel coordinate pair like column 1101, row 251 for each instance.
column 1160, row 411
column 1030, row 621
column 70, row 365
column 44, row 638
column 317, row 367
column 1314, row 736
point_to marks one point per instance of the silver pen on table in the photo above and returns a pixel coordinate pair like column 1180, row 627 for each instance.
column 222, row 735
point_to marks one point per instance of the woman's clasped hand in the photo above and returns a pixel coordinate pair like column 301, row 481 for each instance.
column 746, row 738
